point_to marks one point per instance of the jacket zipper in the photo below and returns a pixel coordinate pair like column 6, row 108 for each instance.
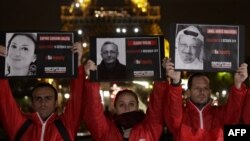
column 201, row 119
column 43, row 125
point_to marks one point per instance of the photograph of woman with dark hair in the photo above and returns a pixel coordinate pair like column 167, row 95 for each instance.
column 21, row 55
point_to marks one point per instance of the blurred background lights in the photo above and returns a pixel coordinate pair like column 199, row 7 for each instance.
column 84, row 44
column 118, row 30
column 66, row 95
column 136, row 29
column 77, row 4
column 106, row 93
column 142, row 83
column 223, row 93
column 26, row 97
column 184, row 83
column 50, row 81
column 217, row 94
column 124, row 30
column 79, row 32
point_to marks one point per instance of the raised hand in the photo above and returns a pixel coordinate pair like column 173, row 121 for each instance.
column 77, row 48
column 89, row 66
column 240, row 75
column 170, row 72
column 2, row 51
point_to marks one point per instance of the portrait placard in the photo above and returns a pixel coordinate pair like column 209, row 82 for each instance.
column 38, row 54
column 206, row 47
column 127, row 58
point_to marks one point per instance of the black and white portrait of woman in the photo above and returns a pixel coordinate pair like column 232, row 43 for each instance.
column 21, row 54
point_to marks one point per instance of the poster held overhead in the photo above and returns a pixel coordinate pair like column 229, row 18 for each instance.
column 127, row 58
column 206, row 47
column 39, row 54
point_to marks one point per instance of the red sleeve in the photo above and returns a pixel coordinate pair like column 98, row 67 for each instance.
column 71, row 116
column 11, row 115
column 154, row 116
column 93, row 112
column 246, row 107
column 173, row 108
column 234, row 105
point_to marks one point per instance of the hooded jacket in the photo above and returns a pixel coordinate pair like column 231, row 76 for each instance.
column 12, row 118
column 188, row 123
column 104, row 128
column 245, row 111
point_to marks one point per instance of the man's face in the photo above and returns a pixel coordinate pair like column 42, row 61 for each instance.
column 126, row 103
column 200, row 90
column 44, row 101
column 109, row 53
column 189, row 48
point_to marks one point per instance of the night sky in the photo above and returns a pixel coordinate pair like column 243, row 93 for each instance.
column 44, row 15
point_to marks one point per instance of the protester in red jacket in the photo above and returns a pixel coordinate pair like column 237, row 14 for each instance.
column 199, row 120
column 128, row 123
column 246, row 107
column 42, row 125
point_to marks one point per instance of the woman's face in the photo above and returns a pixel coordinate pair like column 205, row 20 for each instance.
column 126, row 103
column 21, row 52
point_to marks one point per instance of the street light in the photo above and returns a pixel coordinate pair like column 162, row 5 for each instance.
column 136, row 29
column 124, row 30
column 118, row 30
column 79, row 32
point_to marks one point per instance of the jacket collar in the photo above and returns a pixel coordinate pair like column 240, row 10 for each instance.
column 193, row 107
column 38, row 120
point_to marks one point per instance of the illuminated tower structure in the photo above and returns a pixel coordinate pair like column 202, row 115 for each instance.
column 111, row 18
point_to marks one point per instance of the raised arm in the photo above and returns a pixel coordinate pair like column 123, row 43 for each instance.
column 173, row 108
column 240, row 76
column 246, row 107
column 11, row 115
column 154, row 116
column 93, row 112
column 72, row 113
column 236, row 97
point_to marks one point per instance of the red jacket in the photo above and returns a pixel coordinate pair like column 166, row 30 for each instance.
column 246, row 107
column 103, row 128
column 12, row 117
column 191, row 124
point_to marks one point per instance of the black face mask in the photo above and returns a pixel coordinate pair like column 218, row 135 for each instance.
column 129, row 119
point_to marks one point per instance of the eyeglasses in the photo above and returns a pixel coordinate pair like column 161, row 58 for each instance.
column 109, row 52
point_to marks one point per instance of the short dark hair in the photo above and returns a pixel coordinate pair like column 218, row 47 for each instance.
column 43, row 85
column 192, row 76
column 127, row 92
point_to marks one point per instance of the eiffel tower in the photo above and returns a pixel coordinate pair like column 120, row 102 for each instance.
column 105, row 17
